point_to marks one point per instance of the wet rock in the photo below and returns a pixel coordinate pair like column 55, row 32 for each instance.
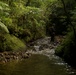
column 7, row 57
column 25, row 56
column 36, row 48
column 29, row 54
column 41, row 48
column 15, row 57
column 1, row 55
column 45, row 45
column 5, row 53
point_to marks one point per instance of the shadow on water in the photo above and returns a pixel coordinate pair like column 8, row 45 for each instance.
column 35, row 65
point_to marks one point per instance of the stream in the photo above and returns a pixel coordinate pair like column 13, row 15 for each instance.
column 43, row 61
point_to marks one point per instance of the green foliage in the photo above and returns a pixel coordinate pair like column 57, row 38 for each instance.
column 17, row 9
column 22, row 20
column 57, row 16
column 7, row 21
column 4, row 10
column 3, row 28
column 24, row 34
column 36, row 3
column 32, row 20
column 4, row 17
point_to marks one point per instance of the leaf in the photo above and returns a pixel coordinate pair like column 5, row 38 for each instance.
column 3, row 28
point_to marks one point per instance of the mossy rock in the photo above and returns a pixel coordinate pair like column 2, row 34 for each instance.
column 11, row 43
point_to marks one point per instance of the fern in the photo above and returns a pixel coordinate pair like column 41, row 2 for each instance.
column 3, row 28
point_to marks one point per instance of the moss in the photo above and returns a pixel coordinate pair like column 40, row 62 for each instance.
column 11, row 43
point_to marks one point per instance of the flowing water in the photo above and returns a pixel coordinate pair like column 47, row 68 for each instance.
column 42, row 62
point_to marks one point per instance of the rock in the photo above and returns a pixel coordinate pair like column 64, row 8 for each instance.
column 36, row 48
column 1, row 54
column 5, row 53
column 45, row 45
column 41, row 48
column 15, row 57
column 25, row 55
column 8, row 56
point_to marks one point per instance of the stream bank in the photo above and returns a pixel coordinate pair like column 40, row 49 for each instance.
column 40, row 46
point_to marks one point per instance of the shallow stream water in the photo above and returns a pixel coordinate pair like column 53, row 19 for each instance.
column 37, row 64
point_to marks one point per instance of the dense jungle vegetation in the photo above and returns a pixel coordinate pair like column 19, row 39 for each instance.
column 23, row 21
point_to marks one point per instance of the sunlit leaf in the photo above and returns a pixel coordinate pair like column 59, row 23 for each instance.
column 3, row 28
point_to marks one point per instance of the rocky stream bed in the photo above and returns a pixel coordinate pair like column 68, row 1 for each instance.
column 40, row 46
